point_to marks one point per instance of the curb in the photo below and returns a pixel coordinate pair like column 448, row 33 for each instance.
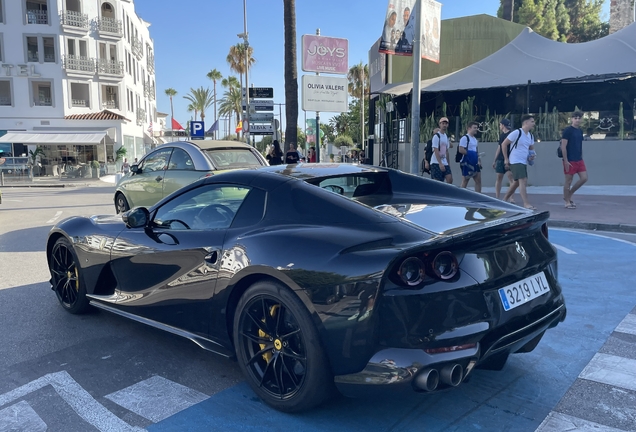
column 593, row 226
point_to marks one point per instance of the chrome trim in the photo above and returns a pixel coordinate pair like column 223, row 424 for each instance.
column 204, row 343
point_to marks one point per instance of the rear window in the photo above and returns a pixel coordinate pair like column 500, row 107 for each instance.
column 232, row 158
column 355, row 185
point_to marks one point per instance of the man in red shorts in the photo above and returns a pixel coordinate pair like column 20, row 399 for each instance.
column 572, row 149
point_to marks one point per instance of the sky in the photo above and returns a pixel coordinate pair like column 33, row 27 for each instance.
column 192, row 37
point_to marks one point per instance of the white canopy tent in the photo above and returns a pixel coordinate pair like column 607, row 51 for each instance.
column 40, row 137
column 531, row 57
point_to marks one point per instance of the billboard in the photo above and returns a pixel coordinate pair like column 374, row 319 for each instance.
column 399, row 28
column 325, row 54
column 325, row 94
column 377, row 67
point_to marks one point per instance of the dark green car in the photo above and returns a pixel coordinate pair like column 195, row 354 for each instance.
column 173, row 165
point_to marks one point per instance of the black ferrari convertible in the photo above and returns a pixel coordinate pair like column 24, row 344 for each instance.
column 317, row 276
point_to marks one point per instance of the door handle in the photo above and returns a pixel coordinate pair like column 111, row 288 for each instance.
column 159, row 178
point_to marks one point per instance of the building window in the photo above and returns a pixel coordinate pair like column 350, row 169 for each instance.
column 1, row 44
column 110, row 97
column 37, row 12
column 49, row 50
column 2, row 11
column 42, row 93
column 33, row 54
column 80, row 95
column 5, row 93
column 77, row 47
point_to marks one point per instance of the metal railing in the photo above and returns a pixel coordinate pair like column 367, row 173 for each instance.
column 49, row 58
column 110, row 67
column 137, row 48
column 5, row 100
column 78, row 63
column 149, row 91
column 110, row 104
column 33, row 56
column 150, row 62
column 44, row 101
column 35, row 16
column 141, row 116
column 110, row 25
column 79, row 103
column 74, row 19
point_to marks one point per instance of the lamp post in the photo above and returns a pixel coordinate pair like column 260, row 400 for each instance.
column 245, row 37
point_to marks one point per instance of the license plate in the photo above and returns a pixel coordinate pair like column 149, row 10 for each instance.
column 523, row 291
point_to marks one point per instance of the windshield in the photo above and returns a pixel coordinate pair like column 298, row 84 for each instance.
column 233, row 158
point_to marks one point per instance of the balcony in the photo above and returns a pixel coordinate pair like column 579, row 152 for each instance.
column 74, row 20
column 110, row 67
column 110, row 104
column 44, row 101
column 78, row 64
column 141, row 116
column 150, row 63
column 149, row 91
column 137, row 48
column 5, row 101
column 80, row 103
column 35, row 16
column 110, row 27
column 33, row 56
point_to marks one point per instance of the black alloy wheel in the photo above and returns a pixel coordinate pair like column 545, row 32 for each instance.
column 66, row 277
column 279, row 350
column 121, row 203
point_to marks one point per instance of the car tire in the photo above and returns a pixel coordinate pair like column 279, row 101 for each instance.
column 281, row 354
column 121, row 203
column 66, row 277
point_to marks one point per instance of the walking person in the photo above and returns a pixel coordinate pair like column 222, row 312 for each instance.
column 498, row 164
column 516, row 150
column 440, row 170
column 471, row 162
column 275, row 155
column 125, row 167
column 572, row 151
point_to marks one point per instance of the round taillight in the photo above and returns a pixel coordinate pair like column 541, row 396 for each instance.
column 412, row 271
column 445, row 265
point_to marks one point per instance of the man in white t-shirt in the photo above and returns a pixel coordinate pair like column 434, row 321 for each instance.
column 470, row 163
column 440, row 170
column 516, row 150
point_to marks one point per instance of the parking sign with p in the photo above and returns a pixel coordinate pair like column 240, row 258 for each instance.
column 197, row 129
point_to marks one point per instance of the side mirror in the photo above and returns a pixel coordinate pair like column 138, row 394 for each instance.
column 139, row 217
column 135, row 169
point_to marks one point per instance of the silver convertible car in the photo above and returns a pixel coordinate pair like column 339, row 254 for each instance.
column 175, row 165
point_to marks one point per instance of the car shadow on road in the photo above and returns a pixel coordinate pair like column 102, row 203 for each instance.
column 25, row 240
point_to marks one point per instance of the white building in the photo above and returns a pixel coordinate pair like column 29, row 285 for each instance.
column 77, row 79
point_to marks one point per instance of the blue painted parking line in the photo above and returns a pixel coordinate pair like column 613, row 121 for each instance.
column 598, row 285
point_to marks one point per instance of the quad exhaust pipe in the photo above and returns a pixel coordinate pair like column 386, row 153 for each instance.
column 451, row 375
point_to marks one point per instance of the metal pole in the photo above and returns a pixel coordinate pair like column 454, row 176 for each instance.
column 247, row 85
column 317, row 121
column 528, row 97
column 417, row 89
column 362, row 112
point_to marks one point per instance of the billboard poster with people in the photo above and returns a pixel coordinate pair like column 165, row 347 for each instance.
column 399, row 29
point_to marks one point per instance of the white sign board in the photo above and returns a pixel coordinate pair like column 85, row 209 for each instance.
column 325, row 94
column 262, row 117
column 261, row 129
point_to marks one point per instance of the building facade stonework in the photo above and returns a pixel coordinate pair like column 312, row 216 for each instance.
column 621, row 14
column 75, row 66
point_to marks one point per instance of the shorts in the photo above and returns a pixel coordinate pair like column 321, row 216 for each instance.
column 500, row 166
column 470, row 170
column 575, row 167
column 437, row 174
column 519, row 171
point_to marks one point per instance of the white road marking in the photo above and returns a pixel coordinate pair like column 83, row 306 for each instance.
column 628, row 325
column 596, row 235
column 156, row 398
column 564, row 249
column 557, row 422
column 21, row 417
column 611, row 370
column 79, row 399
column 54, row 218
column 11, row 200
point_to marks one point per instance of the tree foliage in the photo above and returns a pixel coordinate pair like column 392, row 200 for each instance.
column 563, row 20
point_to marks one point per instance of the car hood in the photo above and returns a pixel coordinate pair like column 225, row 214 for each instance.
column 451, row 219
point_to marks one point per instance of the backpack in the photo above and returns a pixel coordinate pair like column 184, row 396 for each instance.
column 559, row 151
column 428, row 153
column 514, row 145
column 458, row 155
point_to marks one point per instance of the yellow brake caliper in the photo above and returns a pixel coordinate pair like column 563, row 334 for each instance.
column 268, row 355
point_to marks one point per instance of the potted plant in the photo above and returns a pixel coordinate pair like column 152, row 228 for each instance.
column 33, row 154
column 95, row 167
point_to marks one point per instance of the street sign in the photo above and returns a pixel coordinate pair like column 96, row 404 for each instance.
column 260, row 105
column 261, row 129
column 197, row 130
column 260, row 92
column 262, row 118
column 325, row 94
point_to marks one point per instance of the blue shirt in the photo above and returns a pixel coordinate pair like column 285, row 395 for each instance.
column 574, row 146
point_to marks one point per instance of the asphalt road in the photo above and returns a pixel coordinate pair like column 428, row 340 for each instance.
column 60, row 372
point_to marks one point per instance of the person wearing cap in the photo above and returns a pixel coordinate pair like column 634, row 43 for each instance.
column 498, row 164
column 440, row 170
column 572, row 149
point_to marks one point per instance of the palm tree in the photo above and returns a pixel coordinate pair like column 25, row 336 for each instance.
column 193, row 108
column 232, row 102
column 359, row 87
column 201, row 99
column 215, row 76
column 236, row 59
column 291, row 73
column 171, row 92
